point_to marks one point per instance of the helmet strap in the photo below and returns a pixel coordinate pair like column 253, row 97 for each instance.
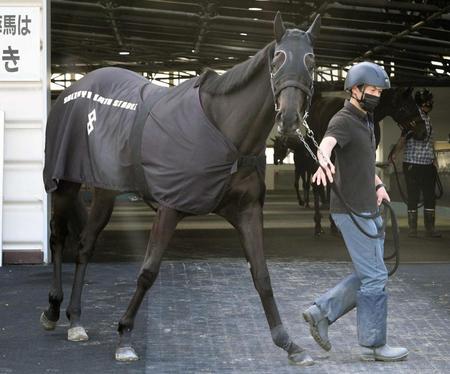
column 362, row 93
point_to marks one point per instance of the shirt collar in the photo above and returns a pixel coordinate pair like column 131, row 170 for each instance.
column 354, row 110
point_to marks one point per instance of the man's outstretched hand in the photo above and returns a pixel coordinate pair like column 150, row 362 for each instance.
column 324, row 173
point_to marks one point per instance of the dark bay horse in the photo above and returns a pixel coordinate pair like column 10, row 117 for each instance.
column 240, row 105
column 397, row 103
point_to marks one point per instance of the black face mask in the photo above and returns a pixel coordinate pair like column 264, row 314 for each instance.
column 369, row 102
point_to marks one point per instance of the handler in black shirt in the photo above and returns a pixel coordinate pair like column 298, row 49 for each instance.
column 350, row 133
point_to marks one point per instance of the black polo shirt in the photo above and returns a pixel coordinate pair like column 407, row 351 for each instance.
column 355, row 159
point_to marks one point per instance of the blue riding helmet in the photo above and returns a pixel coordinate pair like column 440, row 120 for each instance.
column 367, row 73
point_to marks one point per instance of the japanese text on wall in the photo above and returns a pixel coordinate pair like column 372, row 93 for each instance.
column 19, row 43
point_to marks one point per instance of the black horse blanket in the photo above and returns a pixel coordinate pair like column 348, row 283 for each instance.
column 113, row 129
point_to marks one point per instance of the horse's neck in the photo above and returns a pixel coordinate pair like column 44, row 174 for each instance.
column 245, row 116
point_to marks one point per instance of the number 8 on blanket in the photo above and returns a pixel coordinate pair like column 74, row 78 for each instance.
column 92, row 118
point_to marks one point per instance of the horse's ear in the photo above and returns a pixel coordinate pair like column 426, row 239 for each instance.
column 278, row 27
column 314, row 29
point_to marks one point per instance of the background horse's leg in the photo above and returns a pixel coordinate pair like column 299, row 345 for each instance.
column 306, row 187
column 99, row 215
column 166, row 221
column 296, row 186
column 63, row 203
column 249, row 224
column 317, row 216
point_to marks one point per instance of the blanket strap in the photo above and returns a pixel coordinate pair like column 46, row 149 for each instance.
column 136, row 145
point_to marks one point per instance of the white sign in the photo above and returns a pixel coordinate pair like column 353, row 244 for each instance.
column 20, row 44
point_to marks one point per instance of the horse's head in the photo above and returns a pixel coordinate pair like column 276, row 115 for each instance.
column 280, row 150
column 403, row 109
column 291, row 73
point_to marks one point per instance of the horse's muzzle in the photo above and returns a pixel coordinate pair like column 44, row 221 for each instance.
column 287, row 122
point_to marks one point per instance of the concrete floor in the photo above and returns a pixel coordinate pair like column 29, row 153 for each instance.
column 203, row 314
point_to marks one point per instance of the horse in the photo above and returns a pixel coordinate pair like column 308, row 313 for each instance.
column 237, row 113
column 397, row 103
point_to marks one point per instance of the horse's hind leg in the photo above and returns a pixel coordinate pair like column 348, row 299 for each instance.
column 63, row 202
column 162, row 231
column 99, row 215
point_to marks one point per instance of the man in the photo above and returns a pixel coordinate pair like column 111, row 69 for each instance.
column 419, row 169
column 350, row 133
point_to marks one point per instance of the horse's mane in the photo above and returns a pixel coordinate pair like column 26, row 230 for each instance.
column 237, row 76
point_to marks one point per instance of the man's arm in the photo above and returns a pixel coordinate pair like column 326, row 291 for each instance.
column 326, row 169
column 398, row 147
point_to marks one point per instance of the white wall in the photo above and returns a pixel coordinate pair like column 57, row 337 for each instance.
column 25, row 104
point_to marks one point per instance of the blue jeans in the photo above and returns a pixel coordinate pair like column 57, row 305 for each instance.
column 370, row 274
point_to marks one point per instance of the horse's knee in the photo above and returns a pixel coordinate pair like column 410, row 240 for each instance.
column 86, row 247
column 146, row 278
column 84, row 254
column 264, row 287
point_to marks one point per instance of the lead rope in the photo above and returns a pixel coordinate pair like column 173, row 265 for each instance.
column 351, row 212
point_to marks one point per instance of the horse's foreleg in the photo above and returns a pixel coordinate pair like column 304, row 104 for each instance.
column 62, row 204
column 297, row 185
column 99, row 215
column 163, row 228
column 249, row 224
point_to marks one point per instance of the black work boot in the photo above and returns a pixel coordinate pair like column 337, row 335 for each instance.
column 412, row 223
column 428, row 219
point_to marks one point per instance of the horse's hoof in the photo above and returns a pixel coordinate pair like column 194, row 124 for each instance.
column 46, row 323
column 126, row 354
column 301, row 359
column 77, row 334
